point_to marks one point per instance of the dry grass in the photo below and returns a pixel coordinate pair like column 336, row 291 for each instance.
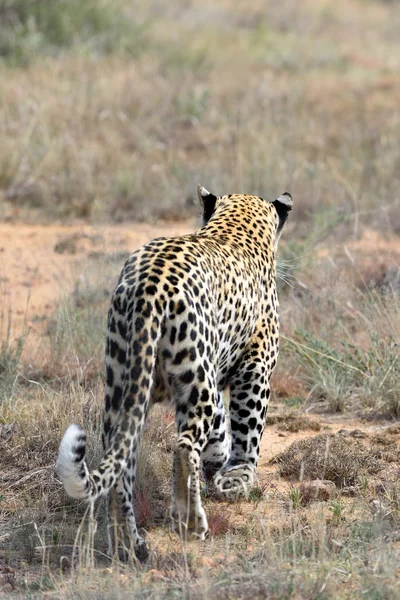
column 111, row 111
column 293, row 422
column 341, row 333
column 340, row 459
column 100, row 132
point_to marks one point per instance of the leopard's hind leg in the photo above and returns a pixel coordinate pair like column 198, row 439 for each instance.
column 195, row 414
column 217, row 449
column 250, row 392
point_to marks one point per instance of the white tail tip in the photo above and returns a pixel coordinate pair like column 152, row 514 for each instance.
column 71, row 455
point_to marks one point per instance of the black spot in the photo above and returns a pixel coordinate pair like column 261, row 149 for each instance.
column 182, row 332
column 139, row 324
column 187, row 377
column 194, row 396
column 151, row 290
column 110, row 376
column 113, row 348
column 136, row 371
column 147, row 311
column 180, row 307
column 243, row 413
column 201, row 374
column 180, row 356
column 122, row 329
column 137, row 412
column 208, row 410
column 242, row 427
column 121, row 356
column 159, row 308
column 217, row 421
column 117, row 396
column 137, row 346
column 129, row 402
column 205, row 395
column 107, row 426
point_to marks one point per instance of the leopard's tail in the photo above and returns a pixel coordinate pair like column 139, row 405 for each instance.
column 71, row 465
column 78, row 481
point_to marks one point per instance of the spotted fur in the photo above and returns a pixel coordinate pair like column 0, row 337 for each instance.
column 190, row 317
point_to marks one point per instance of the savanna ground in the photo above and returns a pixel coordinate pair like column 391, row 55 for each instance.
column 110, row 113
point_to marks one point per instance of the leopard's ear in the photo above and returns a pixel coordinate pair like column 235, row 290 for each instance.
column 208, row 201
column 283, row 205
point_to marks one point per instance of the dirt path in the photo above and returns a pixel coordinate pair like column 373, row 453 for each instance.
column 35, row 260
column 37, row 263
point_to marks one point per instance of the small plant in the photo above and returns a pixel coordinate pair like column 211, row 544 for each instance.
column 193, row 105
column 392, row 497
column 256, row 494
column 364, row 482
column 142, row 505
column 24, row 541
column 335, row 458
column 77, row 332
column 295, row 401
column 218, row 522
column 11, row 349
column 41, row 584
column 28, row 28
column 295, row 497
column 336, row 375
column 337, row 508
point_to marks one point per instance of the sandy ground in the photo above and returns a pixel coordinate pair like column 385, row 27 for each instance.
column 37, row 263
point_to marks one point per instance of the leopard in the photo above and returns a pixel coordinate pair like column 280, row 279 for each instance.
column 191, row 318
